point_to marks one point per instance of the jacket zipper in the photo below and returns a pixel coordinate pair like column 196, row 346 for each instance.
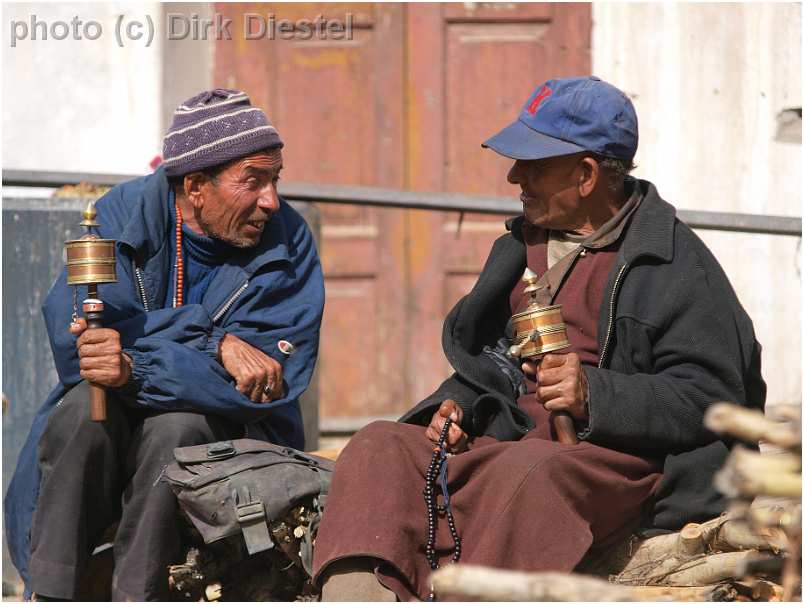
column 229, row 302
column 611, row 314
column 138, row 275
column 218, row 315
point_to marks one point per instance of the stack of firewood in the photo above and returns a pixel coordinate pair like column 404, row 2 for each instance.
column 765, row 488
column 750, row 553
column 82, row 190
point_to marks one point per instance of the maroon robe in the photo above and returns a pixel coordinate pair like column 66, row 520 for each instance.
column 533, row 504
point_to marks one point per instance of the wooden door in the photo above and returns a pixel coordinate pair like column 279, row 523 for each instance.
column 404, row 104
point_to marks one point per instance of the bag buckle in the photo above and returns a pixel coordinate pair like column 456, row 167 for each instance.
column 220, row 450
column 251, row 517
column 250, row 512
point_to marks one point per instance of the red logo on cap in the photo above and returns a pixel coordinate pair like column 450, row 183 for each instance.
column 534, row 104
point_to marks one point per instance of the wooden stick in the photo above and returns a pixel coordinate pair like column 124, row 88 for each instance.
column 782, row 516
column 766, row 591
column 748, row 473
column 751, row 425
column 736, row 536
column 664, row 553
column 469, row 582
column 791, row 572
column 783, row 413
column 331, row 454
column 93, row 311
column 565, row 428
column 706, row 570
column 690, row 541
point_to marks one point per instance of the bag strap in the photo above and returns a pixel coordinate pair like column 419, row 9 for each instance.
column 250, row 513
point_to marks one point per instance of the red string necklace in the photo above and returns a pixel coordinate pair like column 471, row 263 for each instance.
column 178, row 290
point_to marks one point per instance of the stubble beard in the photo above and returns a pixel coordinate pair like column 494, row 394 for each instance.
column 212, row 232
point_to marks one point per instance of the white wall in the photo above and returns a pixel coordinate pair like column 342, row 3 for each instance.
column 81, row 105
column 91, row 105
column 708, row 82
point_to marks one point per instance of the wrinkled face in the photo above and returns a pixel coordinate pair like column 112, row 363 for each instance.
column 550, row 191
column 236, row 205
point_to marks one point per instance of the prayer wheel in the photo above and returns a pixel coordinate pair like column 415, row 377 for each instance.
column 539, row 330
column 90, row 261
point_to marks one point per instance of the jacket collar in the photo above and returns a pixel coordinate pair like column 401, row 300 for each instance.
column 651, row 230
column 146, row 229
column 652, row 227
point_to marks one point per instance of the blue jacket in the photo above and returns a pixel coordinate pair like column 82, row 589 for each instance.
column 272, row 292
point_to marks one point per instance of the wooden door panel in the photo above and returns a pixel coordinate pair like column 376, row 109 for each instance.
column 331, row 140
column 491, row 69
column 337, row 104
column 345, row 349
column 489, row 12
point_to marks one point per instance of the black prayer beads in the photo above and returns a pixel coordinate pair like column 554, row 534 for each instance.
column 437, row 472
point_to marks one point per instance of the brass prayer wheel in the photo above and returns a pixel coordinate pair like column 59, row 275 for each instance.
column 90, row 261
column 539, row 329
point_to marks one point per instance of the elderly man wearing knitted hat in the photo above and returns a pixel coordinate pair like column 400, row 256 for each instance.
column 211, row 333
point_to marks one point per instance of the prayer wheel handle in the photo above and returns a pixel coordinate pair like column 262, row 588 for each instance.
column 93, row 311
column 565, row 428
column 562, row 421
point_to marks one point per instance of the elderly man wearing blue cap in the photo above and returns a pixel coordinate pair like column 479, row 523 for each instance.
column 656, row 335
column 211, row 333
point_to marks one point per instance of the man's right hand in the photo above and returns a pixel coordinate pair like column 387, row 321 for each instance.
column 456, row 438
column 257, row 376
column 101, row 358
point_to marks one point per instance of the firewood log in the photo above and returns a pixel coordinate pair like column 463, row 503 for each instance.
column 751, row 425
column 747, row 473
column 480, row 583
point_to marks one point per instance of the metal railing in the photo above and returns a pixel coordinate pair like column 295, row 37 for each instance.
column 396, row 198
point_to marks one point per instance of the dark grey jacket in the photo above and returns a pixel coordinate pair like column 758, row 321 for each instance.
column 673, row 339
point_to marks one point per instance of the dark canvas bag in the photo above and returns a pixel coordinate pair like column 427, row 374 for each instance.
column 240, row 486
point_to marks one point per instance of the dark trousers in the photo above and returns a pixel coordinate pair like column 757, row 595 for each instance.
column 96, row 473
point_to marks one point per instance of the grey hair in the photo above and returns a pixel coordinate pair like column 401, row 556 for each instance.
column 615, row 170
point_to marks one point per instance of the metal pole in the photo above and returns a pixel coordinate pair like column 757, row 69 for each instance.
column 450, row 202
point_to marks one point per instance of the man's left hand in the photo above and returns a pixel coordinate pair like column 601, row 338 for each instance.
column 562, row 384
column 257, row 376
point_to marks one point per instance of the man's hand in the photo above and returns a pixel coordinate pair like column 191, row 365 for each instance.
column 456, row 438
column 562, row 384
column 100, row 355
column 257, row 376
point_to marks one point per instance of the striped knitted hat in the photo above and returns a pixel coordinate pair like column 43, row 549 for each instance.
column 215, row 127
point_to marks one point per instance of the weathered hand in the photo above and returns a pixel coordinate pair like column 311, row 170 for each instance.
column 101, row 358
column 562, row 384
column 456, row 438
column 257, row 376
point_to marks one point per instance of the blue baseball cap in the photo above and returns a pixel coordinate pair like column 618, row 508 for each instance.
column 571, row 115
